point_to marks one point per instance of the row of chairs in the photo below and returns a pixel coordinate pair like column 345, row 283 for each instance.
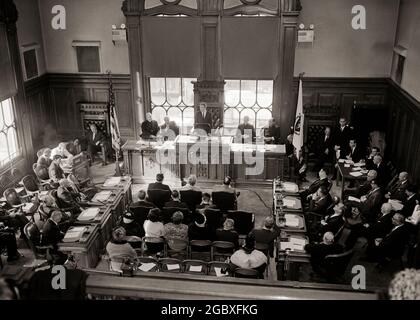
column 188, row 266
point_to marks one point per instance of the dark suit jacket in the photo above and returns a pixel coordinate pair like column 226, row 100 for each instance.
column 320, row 206
column 173, row 127
column 334, row 223
column 371, row 208
column 158, row 186
column 272, row 132
column 319, row 251
column 323, row 144
column 227, row 235
column 409, row 206
column 383, row 173
column 207, row 120
column 393, row 244
column 143, row 204
column 245, row 129
column 290, row 149
column 397, row 190
column 342, row 138
column 318, row 183
column 51, row 233
column 381, row 227
column 99, row 137
column 199, row 233
column 149, row 128
column 176, row 204
column 356, row 155
column 265, row 236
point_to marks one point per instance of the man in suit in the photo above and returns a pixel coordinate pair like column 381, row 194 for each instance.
column 397, row 187
column 142, row 200
column 383, row 225
column 149, row 128
column 168, row 130
column 319, row 251
column 332, row 222
column 392, row 245
column 290, row 148
column 228, row 233
column 54, row 171
column 267, row 234
column 342, row 136
column 321, row 201
column 321, row 182
column 96, row 140
column 369, row 161
column 380, row 167
column 203, row 119
column 271, row 132
column 370, row 205
column 325, row 146
column 246, row 132
column 158, row 185
column 51, row 233
column 363, row 189
column 176, row 201
column 354, row 153
column 410, row 203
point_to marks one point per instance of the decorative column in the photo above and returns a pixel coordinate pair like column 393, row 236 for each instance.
column 209, row 87
column 284, row 108
column 132, row 10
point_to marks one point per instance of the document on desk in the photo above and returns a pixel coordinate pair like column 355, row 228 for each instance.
column 289, row 202
column 219, row 273
column 291, row 220
column 351, row 198
column 298, row 244
column 341, row 160
column 74, row 234
column 286, row 245
column 112, row 182
column 196, row 268
column 147, row 266
column 356, row 174
column 290, row 187
column 89, row 214
column 356, row 169
column 347, row 165
column 172, row 266
column 102, row 196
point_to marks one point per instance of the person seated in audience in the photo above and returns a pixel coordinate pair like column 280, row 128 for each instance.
column 267, row 234
column 8, row 241
column 245, row 132
column 85, row 188
column 354, row 153
column 55, row 172
column 48, row 206
column 158, row 185
column 363, row 189
column 249, row 258
column 322, row 181
column 369, row 160
column 383, row 225
column 152, row 226
column 382, row 170
column 142, row 196
column 411, row 201
column 191, row 183
column 68, row 198
column 319, row 251
column 336, row 201
column 118, row 248
column 228, row 233
column 45, row 158
column 176, row 229
column 325, row 149
column 199, row 229
column 392, row 245
column 332, row 222
column 351, row 229
column 396, row 188
column 132, row 228
column 321, row 201
column 271, row 132
column 149, row 128
column 52, row 235
column 176, row 201
column 205, row 201
column 168, row 130
column 61, row 150
column 370, row 205
column 96, row 140
column 226, row 187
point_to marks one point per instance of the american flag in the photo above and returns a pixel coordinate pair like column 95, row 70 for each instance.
column 115, row 130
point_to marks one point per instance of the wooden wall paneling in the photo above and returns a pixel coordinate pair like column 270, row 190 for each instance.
column 328, row 99
column 125, row 112
column 409, row 145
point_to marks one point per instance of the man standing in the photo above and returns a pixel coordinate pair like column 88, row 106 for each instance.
column 271, row 132
column 96, row 140
column 149, row 127
column 203, row 119
column 325, row 148
column 246, row 132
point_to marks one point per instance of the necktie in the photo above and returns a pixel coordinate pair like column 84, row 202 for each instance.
column 93, row 137
column 204, row 115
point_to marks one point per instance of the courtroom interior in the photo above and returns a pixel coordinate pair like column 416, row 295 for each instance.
column 210, row 149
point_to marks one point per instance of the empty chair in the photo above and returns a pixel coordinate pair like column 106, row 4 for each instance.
column 219, row 269
column 153, row 245
column 244, row 221
column 30, row 185
column 222, row 249
column 214, row 218
column 159, row 197
column 224, row 200
column 145, row 264
column 195, row 267
column 140, row 213
column 170, row 265
column 246, row 273
column 335, row 265
column 200, row 248
column 192, row 198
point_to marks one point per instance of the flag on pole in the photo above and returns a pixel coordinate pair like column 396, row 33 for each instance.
column 115, row 130
column 298, row 125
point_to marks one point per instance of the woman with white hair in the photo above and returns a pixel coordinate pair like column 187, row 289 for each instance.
column 149, row 127
column 191, row 184
column 118, row 249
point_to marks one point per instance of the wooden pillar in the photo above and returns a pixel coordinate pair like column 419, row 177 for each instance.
column 284, row 108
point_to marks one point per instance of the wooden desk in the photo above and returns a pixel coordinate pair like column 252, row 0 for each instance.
column 124, row 185
column 78, row 165
column 87, row 250
column 116, row 204
column 344, row 173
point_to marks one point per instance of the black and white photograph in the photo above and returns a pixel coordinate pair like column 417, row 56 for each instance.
column 189, row 156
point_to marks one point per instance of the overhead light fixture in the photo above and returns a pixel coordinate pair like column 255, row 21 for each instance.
column 311, row 26
column 301, row 26
column 122, row 26
column 114, row 27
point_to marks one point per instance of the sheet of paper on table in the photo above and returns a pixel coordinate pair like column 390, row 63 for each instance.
column 359, row 164
column 147, row 266
column 112, row 182
column 351, row 198
column 219, row 273
column 298, row 243
column 356, row 174
column 288, row 202
column 356, row 169
column 286, row 245
column 291, row 220
column 396, row 205
column 172, row 266
column 341, row 160
column 196, row 268
column 290, row 187
column 102, row 196
column 347, row 165
column 89, row 214
column 74, row 234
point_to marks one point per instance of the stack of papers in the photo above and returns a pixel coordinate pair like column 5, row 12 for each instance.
column 291, row 220
column 286, row 245
column 102, row 196
column 89, row 214
column 290, row 187
column 112, row 182
column 74, row 234
column 147, row 266
column 347, row 166
column 356, row 174
column 359, row 164
column 396, row 205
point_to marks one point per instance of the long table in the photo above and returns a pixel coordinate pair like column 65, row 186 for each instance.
column 346, row 173
column 209, row 158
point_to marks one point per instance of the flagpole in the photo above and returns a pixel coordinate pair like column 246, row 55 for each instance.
column 112, row 117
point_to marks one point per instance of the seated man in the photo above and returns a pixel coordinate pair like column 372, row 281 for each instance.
column 54, row 171
column 158, row 185
column 205, row 202
column 321, row 201
column 45, row 158
column 228, row 233
column 52, row 235
column 267, row 234
column 396, row 188
column 168, row 130
column 61, row 150
column 226, row 186
column 142, row 196
column 319, row 251
column 332, row 223
column 245, row 132
column 271, row 132
column 8, row 240
column 411, row 201
column 96, row 141
column 191, row 182
column 363, row 189
column 322, row 181
column 370, row 205
column 380, row 167
column 354, row 153
column 383, row 225
column 369, row 161
column 149, row 128
column 176, row 201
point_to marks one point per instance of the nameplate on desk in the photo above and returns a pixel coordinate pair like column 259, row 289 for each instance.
column 112, row 182
column 74, row 234
column 89, row 214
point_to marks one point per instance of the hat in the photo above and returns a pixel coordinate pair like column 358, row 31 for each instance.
column 128, row 215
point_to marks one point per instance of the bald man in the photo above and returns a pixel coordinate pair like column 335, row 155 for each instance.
column 149, row 128
column 397, row 187
column 267, row 234
column 363, row 189
column 383, row 225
